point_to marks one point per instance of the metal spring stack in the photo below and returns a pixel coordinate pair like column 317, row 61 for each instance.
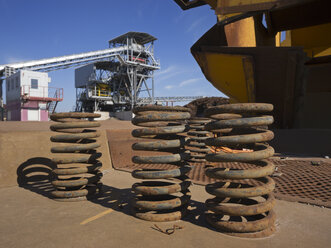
column 243, row 203
column 77, row 175
column 155, row 199
column 195, row 143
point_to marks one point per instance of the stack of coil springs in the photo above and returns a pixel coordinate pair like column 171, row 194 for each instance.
column 77, row 175
column 196, row 139
column 243, row 203
column 157, row 200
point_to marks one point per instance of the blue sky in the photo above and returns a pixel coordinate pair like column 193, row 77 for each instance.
column 38, row 29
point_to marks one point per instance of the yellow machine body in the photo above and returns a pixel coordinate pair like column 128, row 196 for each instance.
column 231, row 74
column 270, row 51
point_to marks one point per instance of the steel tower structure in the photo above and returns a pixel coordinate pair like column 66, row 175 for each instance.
column 121, row 82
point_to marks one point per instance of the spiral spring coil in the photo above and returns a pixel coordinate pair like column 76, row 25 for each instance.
column 243, row 203
column 77, row 175
column 157, row 200
column 195, row 143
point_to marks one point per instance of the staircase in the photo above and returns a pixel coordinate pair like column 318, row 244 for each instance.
column 51, row 106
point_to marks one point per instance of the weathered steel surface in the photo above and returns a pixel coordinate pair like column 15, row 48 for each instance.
column 240, row 190
column 245, row 207
column 158, row 130
column 72, row 137
column 242, row 122
column 161, row 174
column 73, row 115
column 196, row 140
column 74, row 148
column 160, row 188
column 264, row 168
column 158, row 216
column 78, row 176
column 154, row 200
column 261, row 151
column 298, row 180
column 263, row 136
column 239, row 108
column 251, row 229
column 173, row 158
column 154, row 116
column 248, row 207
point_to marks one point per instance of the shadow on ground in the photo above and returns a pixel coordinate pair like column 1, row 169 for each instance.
column 35, row 175
column 114, row 198
column 120, row 200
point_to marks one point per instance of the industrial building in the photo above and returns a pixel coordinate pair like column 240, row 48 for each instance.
column 29, row 98
column 110, row 81
column 119, row 83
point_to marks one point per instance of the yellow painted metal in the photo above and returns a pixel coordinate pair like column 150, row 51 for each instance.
column 241, row 33
column 321, row 53
column 278, row 39
column 235, row 3
column 212, row 3
column 223, row 17
column 287, row 41
column 316, row 40
column 225, row 7
column 231, row 74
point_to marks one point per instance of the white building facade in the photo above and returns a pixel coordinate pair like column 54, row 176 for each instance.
column 28, row 96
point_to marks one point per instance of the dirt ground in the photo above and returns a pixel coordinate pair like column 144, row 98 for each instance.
column 29, row 219
column 17, row 126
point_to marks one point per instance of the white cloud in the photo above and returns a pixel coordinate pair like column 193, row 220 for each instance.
column 169, row 72
column 179, row 17
column 195, row 24
column 12, row 59
column 169, row 87
column 189, row 81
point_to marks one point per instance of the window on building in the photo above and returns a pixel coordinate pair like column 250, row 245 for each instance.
column 8, row 84
column 12, row 84
column 16, row 82
column 34, row 83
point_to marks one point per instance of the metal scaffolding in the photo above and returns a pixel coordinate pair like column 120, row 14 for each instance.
column 118, row 83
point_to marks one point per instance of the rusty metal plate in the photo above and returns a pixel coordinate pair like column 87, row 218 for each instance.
column 296, row 180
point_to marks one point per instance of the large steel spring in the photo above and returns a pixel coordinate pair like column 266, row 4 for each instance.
column 77, row 174
column 243, row 203
column 196, row 137
column 159, row 200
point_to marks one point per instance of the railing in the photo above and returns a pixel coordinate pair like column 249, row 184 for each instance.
column 99, row 93
column 42, row 93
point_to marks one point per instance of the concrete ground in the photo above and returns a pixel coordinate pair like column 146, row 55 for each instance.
column 29, row 219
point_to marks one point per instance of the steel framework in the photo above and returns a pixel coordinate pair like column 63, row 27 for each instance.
column 119, row 83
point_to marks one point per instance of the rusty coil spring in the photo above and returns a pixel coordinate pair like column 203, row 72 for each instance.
column 243, row 200
column 159, row 200
column 77, row 175
column 196, row 137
